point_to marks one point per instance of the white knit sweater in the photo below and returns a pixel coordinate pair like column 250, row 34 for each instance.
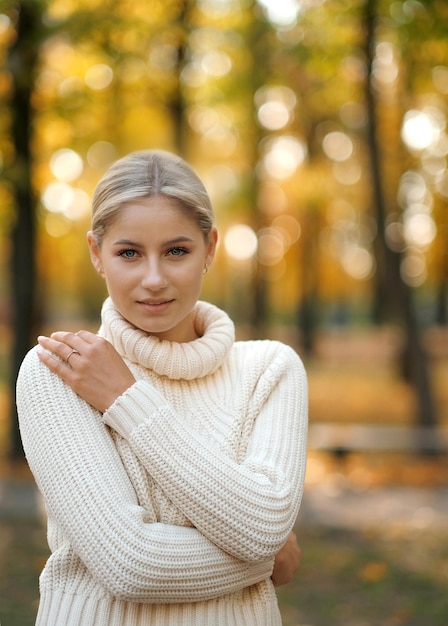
column 168, row 509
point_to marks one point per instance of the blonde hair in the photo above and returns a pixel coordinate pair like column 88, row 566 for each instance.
column 150, row 173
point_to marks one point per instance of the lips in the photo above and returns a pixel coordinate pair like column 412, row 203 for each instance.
column 154, row 302
column 155, row 305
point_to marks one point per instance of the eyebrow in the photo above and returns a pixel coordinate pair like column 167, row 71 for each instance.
column 170, row 242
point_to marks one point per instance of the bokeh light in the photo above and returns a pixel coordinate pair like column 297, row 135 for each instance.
column 419, row 229
column 413, row 269
column 281, row 12
column 275, row 106
column 421, row 129
column 101, row 154
column 337, row 146
column 283, row 155
column 216, row 63
column 357, row 262
column 271, row 248
column 99, row 76
column 60, row 197
column 66, row 165
column 240, row 242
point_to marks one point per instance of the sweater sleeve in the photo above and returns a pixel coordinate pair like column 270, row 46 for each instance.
column 246, row 507
column 87, row 491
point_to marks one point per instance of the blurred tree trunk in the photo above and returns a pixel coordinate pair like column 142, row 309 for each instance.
column 177, row 101
column 442, row 293
column 307, row 311
column 22, row 59
column 259, row 48
column 395, row 297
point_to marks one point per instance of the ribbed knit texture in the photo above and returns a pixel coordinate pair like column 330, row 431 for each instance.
column 168, row 509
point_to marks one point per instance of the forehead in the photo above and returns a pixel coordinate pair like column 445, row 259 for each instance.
column 153, row 213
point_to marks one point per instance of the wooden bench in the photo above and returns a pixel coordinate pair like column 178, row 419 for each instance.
column 341, row 439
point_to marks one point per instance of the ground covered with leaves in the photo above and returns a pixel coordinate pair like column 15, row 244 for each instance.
column 23, row 551
column 373, row 578
column 347, row 578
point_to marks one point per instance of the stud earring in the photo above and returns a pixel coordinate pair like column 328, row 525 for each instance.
column 205, row 270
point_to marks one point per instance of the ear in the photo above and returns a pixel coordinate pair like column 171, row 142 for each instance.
column 95, row 253
column 211, row 246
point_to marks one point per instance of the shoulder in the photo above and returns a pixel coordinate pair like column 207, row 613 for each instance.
column 268, row 358
column 266, row 350
column 30, row 366
column 37, row 386
column 32, row 369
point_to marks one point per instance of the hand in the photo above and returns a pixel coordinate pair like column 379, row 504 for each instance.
column 89, row 364
column 286, row 562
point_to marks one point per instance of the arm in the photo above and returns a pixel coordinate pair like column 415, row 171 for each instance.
column 247, row 508
column 200, row 479
column 88, row 492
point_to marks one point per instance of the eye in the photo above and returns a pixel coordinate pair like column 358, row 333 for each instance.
column 127, row 254
column 178, row 251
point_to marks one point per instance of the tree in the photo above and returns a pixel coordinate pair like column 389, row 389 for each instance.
column 394, row 296
column 22, row 64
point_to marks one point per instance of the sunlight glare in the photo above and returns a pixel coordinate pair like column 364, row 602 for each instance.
column 59, row 197
column 412, row 188
column 419, row 229
column 357, row 262
column 337, row 146
column 420, row 129
column 385, row 68
column 5, row 23
column 99, row 76
column 275, row 106
column 413, row 269
column 101, row 154
column 273, row 115
column 283, row 156
column 272, row 199
column 289, row 228
column 281, row 12
column 271, row 247
column 216, row 63
column 240, row 242
column 221, row 181
column 66, row 165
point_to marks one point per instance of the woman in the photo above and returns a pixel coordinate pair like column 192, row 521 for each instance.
column 171, row 458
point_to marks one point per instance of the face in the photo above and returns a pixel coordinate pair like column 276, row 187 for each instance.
column 152, row 258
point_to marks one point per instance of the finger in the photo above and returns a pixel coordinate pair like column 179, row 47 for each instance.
column 72, row 354
column 66, row 337
column 87, row 336
column 75, row 341
column 58, row 348
column 54, row 363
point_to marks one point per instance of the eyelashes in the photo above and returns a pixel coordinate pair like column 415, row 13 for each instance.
column 176, row 251
column 127, row 254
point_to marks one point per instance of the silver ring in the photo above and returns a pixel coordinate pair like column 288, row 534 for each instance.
column 71, row 354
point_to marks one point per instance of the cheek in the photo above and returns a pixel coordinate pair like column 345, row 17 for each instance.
column 116, row 279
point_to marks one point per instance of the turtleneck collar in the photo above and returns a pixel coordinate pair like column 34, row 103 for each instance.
column 178, row 361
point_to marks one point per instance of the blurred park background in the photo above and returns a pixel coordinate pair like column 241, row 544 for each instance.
column 319, row 129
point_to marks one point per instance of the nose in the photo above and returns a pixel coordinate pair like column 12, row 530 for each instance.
column 153, row 277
